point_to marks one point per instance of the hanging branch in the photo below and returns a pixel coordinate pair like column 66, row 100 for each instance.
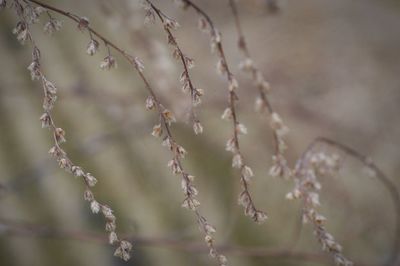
column 230, row 113
column 279, row 129
column 165, row 119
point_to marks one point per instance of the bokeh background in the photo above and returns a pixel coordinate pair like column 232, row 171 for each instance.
column 334, row 69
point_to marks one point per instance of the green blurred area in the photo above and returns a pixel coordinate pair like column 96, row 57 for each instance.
column 334, row 70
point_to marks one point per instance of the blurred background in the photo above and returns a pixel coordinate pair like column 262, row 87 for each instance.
column 334, row 70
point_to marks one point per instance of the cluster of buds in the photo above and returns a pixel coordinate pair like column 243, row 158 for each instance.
column 187, row 62
column 308, row 169
column 246, row 173
column 52, row 26
column 280, row 166
column 108, row 63
column 31, row 14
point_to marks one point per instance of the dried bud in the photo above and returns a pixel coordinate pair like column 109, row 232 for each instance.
column 92, row 47
column 34, row 68
column 110, row 226
column 112, row 238
column 108, row 63
column 123, row 251
column 59, row 134
column 138, row 64
column 191, row 204
column 180, row 151
column 21, row 30
column 247, row 64
column 221, row 67
column 168, row 116
column 233, row 84
column 49, row 87
column 197, row 128
column 83, row 23
column 241, row 129
column 150, row 16
column 46, row 120
column 52, row 26
column 167, row 143
column 203, row 25
column 237, row 161
column 77, row 171
column 157, row 131
column 222, row 260
column 171, row 24
column 260, row 217
column 88, row 195
column 231, row 145
column 189, row 62
column 227, row 115
column 209, row 229
column 277, row 124
column 175, row 167
column 150, row 103
column 259, row 105
column 247, row 173
column 90, row 180
column 95, row 206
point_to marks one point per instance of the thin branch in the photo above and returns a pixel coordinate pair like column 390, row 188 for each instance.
column 14, row 228
column 233, row 145
column 165, row 116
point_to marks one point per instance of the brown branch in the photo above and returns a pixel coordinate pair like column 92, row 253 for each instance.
column 233, row 144
column 13, row 228
column 165, row 117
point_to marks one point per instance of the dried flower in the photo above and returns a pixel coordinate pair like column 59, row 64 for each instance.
column 52, row 26
column 230, row 145
column 191, row 204
column 197, row 128
column 171, row 24
column 247, row 173
column 46, row 120
column 59, row 134
column 241, row 129
column 21, row 30
column 237, row 161
column 108, row 63
column 95, row 206
column 227, row 115
column 150, row 103
column 77, row 171
column 123, row 251
column 203, row 25
column 138, row 64
column 157, row 130
column 83, row 23
column 88, row 195
column 34, row 68
column 150, row 16
column 92, row 47
column 112, row 238
column 247, row 64
column 168, row 116
column 90, row 180
column 180, row 151
column 233, row 84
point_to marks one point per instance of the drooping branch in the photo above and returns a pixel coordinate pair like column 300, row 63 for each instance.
column 230, row 113
column 165, row 119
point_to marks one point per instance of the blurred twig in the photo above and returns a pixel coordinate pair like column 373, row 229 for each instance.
column 19, row 228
